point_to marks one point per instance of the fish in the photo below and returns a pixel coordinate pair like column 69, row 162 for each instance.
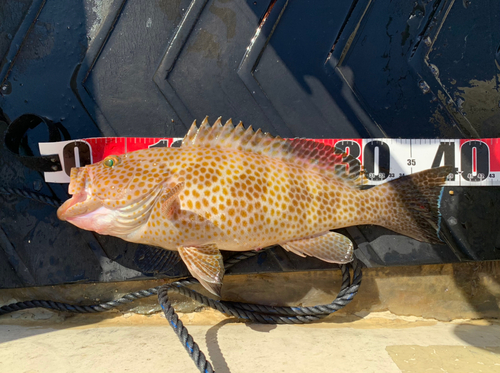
column 232, row 188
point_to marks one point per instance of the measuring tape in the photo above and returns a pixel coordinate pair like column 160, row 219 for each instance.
column 476, row 162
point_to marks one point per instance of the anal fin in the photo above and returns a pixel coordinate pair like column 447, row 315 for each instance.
column 206, row 265
column 330, row 247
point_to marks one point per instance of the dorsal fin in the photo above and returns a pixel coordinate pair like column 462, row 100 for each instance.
column 324, row 158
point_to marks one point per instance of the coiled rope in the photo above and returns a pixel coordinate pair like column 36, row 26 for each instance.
column 254, row 312
column 243, row 311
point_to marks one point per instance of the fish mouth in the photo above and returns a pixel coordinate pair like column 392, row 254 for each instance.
column 82, row 202
column 89, row 211
column 79, row 204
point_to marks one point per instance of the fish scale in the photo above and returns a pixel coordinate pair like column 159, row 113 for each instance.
column 248, row 202
column 231, row 188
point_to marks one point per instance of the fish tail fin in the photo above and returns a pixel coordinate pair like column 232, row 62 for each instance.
column 410, row 204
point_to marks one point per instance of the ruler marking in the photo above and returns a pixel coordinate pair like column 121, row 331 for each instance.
column 411, row 156
column 474, row 161
column 423, row 153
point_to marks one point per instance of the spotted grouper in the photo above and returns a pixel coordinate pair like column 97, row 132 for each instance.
column 236, row 189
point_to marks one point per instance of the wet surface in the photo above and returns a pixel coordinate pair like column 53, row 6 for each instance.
column 117, row 68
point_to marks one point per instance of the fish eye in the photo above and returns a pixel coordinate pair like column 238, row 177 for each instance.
column 111, row 161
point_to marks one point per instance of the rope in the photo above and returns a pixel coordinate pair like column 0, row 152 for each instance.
column 103, row 307
column 58, row 306
column 254, row 312
column 243, row 311
column 277, row 315
column 31, row 195
column 186, row 339
column 228, row 263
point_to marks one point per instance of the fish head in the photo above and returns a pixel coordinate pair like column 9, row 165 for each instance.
column 114, row 196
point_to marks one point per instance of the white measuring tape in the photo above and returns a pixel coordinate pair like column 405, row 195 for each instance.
column 476, row 162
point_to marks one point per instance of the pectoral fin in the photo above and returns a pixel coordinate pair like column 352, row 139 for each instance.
column 205, row 264
column 170, row 200
column 331, row 247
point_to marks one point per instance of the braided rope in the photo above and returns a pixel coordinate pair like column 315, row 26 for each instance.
column 228, row 263
column 31, row 195
column 58, row 306
column 278, row 315
column 253, row 312
column 186, row 339
column 244, row 311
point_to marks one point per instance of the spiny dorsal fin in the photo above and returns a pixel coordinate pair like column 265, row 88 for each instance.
column 345, row 165
column 324, row 158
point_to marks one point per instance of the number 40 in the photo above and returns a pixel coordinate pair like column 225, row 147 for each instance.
column 474, row 159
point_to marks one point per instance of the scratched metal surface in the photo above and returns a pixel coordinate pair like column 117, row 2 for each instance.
column 338, row 69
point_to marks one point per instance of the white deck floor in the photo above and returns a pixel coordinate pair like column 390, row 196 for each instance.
column 380, row 342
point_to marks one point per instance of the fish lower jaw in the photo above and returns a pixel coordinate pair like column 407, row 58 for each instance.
column 101, row 220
